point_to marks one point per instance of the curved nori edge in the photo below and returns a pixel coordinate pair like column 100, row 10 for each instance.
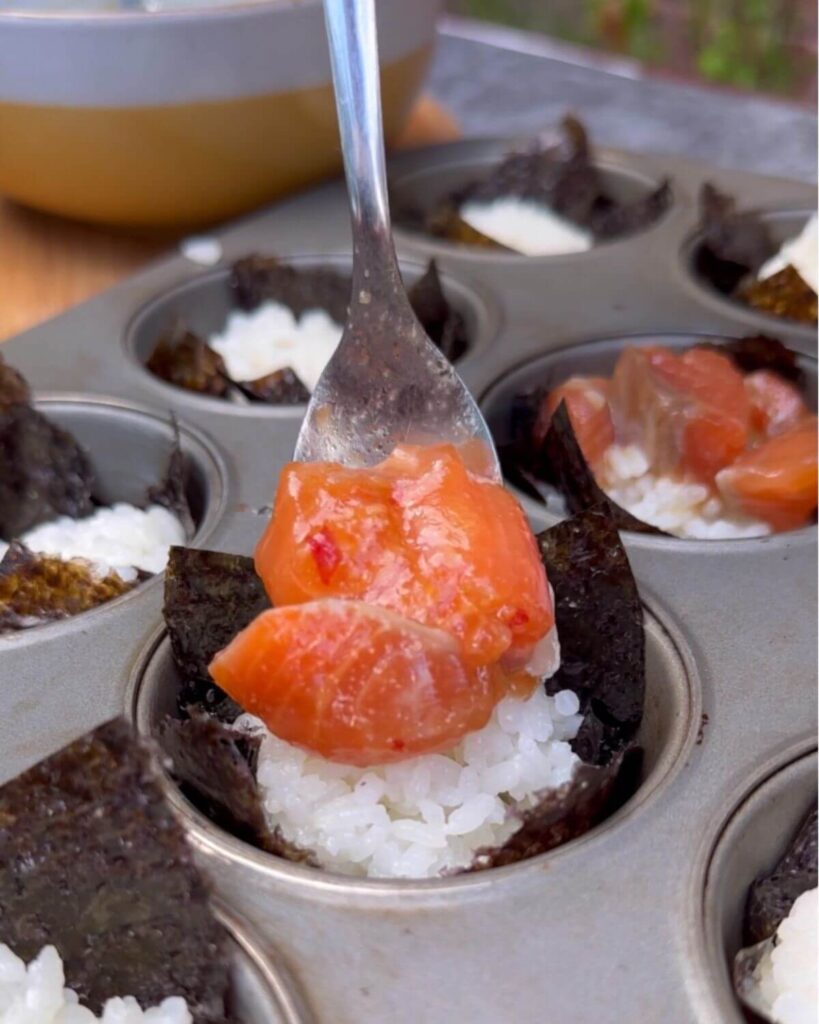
column 772, row 896
column 761, row 352
column 733, row 245
column 561, row 461
column 93, row 860
column 44, row 472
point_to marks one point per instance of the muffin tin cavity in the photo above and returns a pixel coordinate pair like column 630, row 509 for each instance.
column 507, row 404
column 665, row 736
column 782, row 225
column 750, row 843
column 260, row 993
column 129, row 448
column 420, row 182
column 202, row 305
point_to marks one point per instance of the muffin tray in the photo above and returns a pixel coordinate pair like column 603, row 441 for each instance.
column 633, row 921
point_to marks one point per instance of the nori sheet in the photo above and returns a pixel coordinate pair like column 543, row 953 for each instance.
column 599, row 620
column 35, row 588
column 444, row 325
column 733, row 245
column 185, row 360
column 771, row 896
column 44, row 473
column 171, row 491
column 209, row 598
column 561, row 461
column 760, row 352
column 563, row 177
column 258, row 279
column 283, row 387
column 93, row 861
column 783, row 294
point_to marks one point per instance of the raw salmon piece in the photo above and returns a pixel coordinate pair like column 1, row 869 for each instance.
column 354, row 683
column 776, row 481
column 420, row 535
column 587, row 403
column 690, row 412
column 777, row 405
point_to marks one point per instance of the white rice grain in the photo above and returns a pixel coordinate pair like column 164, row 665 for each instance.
column 36, row 994
column 426, row 815
column 787, row 974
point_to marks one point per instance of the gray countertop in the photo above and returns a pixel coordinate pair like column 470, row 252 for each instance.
column 505, row 82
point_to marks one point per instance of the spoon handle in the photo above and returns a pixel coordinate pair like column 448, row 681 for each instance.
column 351, row 32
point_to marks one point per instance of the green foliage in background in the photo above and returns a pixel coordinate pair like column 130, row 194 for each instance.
column 754, row 44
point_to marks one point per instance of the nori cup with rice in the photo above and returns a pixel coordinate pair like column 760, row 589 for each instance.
column 770, row 900
column 562, row 177
column 548, row 463
column 734, row 248
column 93, row 861
column 210, row 597
column 45, row 474
column 186, row 360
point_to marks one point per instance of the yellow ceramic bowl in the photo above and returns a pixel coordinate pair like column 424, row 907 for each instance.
column 183, row 117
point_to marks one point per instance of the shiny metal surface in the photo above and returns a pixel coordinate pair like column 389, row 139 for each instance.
column 386, row 384
column 609, row 928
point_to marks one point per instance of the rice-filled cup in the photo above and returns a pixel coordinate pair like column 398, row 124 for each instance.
column 174, row 115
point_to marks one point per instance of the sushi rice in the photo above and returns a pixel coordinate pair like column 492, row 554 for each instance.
column 683, row 508
column 121, row 538
column 270, row 338
column 36, row 994
column 787, row 974
column 526, row 226
column 428, row 815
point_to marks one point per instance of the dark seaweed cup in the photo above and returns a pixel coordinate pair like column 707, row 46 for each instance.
column 168, row 337
column 132, row 457
column 725, row 253
column 637, row 713
column 598, row 194
column 747, row 894
column 556, row 480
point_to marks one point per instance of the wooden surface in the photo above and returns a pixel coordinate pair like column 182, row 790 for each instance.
column 48, row 264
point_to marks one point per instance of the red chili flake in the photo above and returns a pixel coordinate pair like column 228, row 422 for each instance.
column 517, row 618
column 325, row 552
column 397, row 744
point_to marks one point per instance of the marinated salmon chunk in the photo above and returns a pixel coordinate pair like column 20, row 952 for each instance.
column 419, row 535
column 587, row 403
column 355, row 683
column 776, row 405
column 690, row 412
column 777, row 480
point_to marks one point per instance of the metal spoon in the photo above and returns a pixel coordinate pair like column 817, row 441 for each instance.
column 386, row 383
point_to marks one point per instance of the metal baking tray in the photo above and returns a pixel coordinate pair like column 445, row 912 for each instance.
column 618, row 925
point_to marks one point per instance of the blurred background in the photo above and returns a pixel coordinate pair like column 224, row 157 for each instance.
column 763, row 45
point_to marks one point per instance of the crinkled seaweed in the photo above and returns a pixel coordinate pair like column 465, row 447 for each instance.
column 38, row 588
column 563, row 177
column 561, row 461
column 44, row 473
column 258, row 279
column 444, row 325
column 209, row 598
column 185, row 360
column 759, row 352
column 772, row 896
column 770, row 900
column 93, row 861
column 783, row 294
column 733, row 245
column 283, row 387
column 171, row 492
column 599, row 620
